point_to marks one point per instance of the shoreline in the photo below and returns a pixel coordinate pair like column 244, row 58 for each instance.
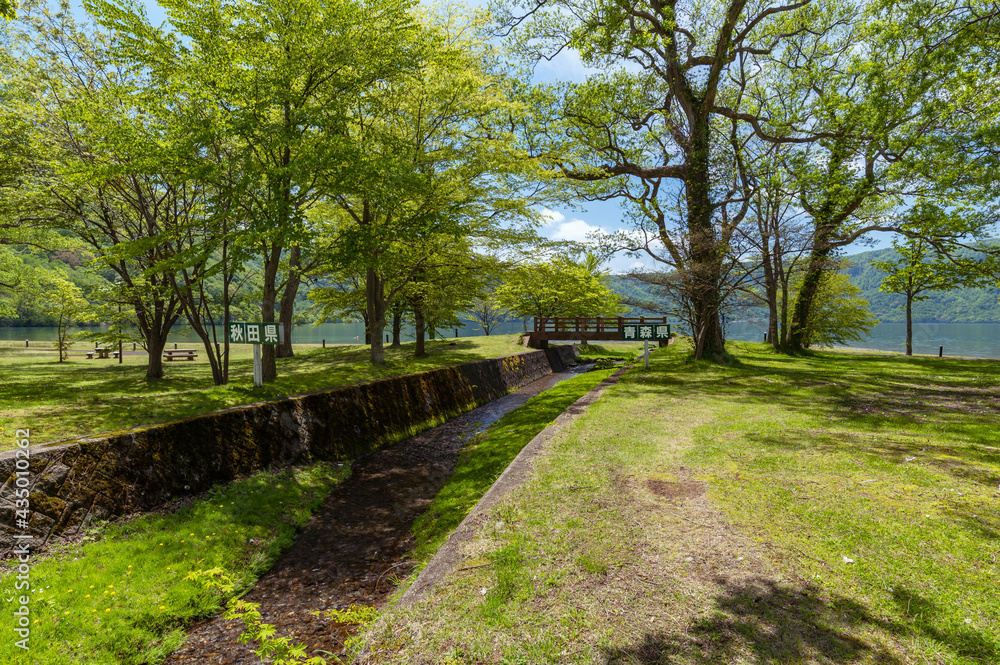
column 857, row 350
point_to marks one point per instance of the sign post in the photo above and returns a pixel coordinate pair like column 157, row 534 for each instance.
column 645, row 332
column 256, row 333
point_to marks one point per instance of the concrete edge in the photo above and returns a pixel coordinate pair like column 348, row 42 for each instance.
column 447, row 558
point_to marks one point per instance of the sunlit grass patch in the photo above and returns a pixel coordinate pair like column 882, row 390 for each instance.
column 121, row 596
column 485, row 457
column 827, row 508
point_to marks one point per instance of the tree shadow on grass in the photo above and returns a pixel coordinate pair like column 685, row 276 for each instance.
column 926, row 618
column 965, row 461
column 759, row 621
column 872, row 395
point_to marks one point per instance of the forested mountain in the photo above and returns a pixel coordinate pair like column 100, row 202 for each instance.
column 956, row 306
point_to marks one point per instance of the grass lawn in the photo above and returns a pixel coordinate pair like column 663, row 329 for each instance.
column 486, row 456
column 831, row 508
column 79, row 397
column 121, row 597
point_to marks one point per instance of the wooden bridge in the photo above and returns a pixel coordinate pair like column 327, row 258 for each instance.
column 582, row 329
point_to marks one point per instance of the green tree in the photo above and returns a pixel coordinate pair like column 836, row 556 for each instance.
column 560, row 287
column 443, row 288
column 436, row 171
column 890, row 105
column 67, row 304
column 488, row 313
column 930, row 258
column 917, row 271
column 840, row 315
column 661, row 126
column 340, row 296
column 22, row 228
column 99, row 176
column 270, row 82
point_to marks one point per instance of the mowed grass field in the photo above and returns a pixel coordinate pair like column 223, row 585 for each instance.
column 80, row 396
column 832, row 508
column 124, row 592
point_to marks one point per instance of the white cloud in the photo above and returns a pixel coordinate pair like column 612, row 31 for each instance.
column 551, row 216
column 577, row 230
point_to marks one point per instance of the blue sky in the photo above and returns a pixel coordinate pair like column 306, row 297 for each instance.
column 590, row 217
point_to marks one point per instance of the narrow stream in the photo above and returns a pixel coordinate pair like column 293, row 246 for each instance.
column 357, row 541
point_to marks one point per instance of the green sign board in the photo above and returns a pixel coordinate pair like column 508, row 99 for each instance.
column 646, row 332
column 254, row 333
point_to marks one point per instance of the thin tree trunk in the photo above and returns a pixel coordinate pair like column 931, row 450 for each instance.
column 783, row 335
column 268, row 296
column 909, row 319
column 61, row 334
column 771, row 291
column 375, row 296
column 287, row 311
column 418, row 319
column 195, row 310
column 397, row 325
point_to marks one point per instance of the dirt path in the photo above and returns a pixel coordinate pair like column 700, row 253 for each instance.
column 355, row 544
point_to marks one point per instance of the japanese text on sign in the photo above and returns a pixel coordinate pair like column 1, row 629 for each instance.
column 254, row 333
column 646, row 332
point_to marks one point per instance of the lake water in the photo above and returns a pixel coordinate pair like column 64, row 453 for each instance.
column 333, row 333
column 976, row 340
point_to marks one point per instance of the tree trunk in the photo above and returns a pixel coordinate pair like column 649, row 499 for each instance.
column 770, row 290
column 799, row 332
column 375, row 297
column 287, row 311
column 783, row 334
column 61, row 343
column 909, row 320
column 154, row 344
column 397, row 325
column 819, row 261
column 704, row 271
column 418, row 319
column 268, row 296
column 214, row 359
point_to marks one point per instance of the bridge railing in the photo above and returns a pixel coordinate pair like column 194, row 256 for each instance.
column 590, row 324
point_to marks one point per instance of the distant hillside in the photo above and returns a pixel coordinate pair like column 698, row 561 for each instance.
column 631, row 290
column 957, row 306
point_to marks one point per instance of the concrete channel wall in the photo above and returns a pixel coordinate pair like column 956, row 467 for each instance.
column 71, row 483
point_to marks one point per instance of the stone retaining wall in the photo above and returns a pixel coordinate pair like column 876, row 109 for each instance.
column 76, row 481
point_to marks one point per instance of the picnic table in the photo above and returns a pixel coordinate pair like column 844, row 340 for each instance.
column 101, row 352
column 186, row 354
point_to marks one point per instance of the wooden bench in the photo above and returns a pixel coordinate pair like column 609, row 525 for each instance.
column 186, row 354
column 101, row 353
